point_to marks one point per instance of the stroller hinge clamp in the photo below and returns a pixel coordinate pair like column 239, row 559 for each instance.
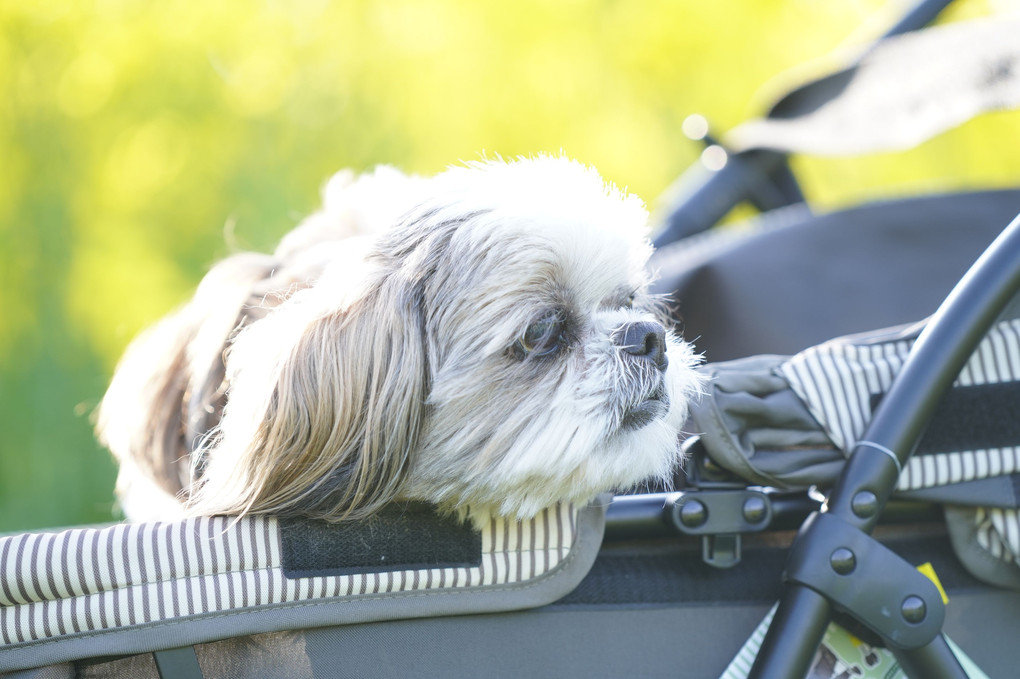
column 720, row 516
column 867, row 580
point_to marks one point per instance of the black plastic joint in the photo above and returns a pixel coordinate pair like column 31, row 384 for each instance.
column 721, row 512
column 867, row 580
column 719, row 517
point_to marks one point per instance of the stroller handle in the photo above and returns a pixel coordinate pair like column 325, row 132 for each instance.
column 703, row 196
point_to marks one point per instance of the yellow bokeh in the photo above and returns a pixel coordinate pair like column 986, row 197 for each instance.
column 141, row 160
column 86, row 85
column 132, row 132
column 117, row 280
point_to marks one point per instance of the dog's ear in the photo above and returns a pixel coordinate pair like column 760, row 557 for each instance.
column 141, row 418
column 164, row 394
column 325, row 407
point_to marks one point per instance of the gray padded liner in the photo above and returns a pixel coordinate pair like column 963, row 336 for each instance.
column 340, row 611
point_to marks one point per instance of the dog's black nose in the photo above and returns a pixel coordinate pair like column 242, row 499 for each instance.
column 644, row 340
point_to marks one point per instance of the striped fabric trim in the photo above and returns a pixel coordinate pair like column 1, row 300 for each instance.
column 998, row 532
column 838, row 381
column 86, row 580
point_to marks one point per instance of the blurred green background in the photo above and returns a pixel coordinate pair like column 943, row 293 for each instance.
column 142, row 141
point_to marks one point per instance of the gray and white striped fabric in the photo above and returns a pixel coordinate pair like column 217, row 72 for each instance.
column 998, row 532
column 86, row 581
column 839, row 380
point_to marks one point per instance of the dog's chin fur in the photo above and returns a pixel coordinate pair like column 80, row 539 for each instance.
column 380, row 355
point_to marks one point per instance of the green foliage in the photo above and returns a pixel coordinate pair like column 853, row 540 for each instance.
column 141, row 141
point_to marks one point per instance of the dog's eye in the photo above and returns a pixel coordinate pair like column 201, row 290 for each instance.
column 623, row 300
column 541, row 338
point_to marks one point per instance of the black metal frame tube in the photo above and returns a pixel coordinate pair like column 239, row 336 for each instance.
column 703, row 196
column 941, row 351
column 948, row 341
column 793, row 636
column 918, row 16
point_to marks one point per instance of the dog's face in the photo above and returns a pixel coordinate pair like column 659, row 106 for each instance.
column 495, row 349
column 551, row 379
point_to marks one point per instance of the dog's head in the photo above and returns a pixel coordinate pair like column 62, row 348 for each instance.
column 494, row 349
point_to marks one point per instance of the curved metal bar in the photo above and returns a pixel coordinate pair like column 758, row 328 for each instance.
column 939, row 354
column 941, row 351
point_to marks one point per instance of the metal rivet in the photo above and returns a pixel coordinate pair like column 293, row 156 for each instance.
column 693, row 514
column 913, row 609
column 755, row 509
column 864, row 504
column 843, row 561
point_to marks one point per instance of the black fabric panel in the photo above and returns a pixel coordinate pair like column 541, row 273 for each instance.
column 975, row 418
column 873, row 266
column 677, row 575
column 972, row 418
column 669, row 573
column 408, row 537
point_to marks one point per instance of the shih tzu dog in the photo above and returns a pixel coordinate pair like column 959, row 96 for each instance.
column 480, row 340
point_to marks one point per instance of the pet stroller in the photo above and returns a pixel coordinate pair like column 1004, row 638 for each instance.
column 678, row 583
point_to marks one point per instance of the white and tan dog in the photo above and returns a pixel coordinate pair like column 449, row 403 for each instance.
column 480, row 340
